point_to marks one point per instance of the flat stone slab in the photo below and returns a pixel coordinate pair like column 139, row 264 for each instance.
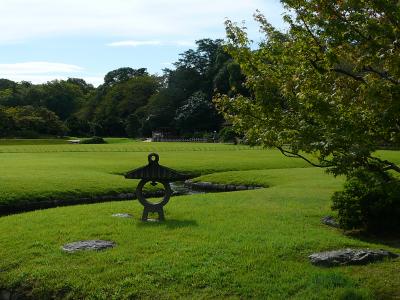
column 349, row 257
column 152, row 220
column 218, row 187
column 330, row 221
column 122, row 215
column 88, row 245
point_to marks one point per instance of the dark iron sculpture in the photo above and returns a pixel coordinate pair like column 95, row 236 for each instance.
column 154, row 173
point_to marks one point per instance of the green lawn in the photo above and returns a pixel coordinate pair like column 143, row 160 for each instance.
column 19, row 142
column 39, row 172
column 53, row 141
column 250, row 244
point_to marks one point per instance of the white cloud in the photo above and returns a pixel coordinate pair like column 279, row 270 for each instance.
column 138, row 19
column 41, row 72
column 134, row 43
column 38, row 79
column 95, row 80
column 33, row 27
column 37, row 67
column 185, row 43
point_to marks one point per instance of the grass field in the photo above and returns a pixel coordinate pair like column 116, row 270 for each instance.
column 39, row 172
column 251, row 244
column 53, row 141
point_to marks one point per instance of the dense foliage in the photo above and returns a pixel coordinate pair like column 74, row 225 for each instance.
column 132, row 102
column 370, row 200
column 93, row 140
column 329, row 86
column 29, row 121
column 28, row 110
column 228, row 134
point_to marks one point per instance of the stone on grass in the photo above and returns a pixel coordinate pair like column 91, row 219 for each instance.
column 241, row 188
column 218, row 187
column 122, row 215
column 88, row 245
column 230, row 187
column 330, row 221
column 152, row 220
column 349, row 257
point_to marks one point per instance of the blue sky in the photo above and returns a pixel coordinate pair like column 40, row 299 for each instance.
column 44, row 40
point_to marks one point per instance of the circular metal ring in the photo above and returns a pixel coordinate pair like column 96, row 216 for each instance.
column 143, row 200
column 153, row 158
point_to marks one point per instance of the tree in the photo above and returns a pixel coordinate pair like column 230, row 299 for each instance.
column 198, row 71
column 329, row 87
column 122, row 75
column 29, row 121
column 132, row 127
column 62, row 97
column 6, row 123
column 77, row 126
column 197, row 114
column 82, row 84
column 160, row 111
column 6, row 84
column 208, row 61
column 203, row 58
column 111, row 107
column 133, row 102
column 229, row 79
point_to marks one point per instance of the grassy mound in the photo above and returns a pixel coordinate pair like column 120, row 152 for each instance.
column 250, row 244
column 38, row 173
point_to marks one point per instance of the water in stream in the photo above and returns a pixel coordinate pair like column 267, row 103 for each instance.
column 179, row 188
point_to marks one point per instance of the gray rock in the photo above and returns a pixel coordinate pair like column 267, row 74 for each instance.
column 152, row 221
column 88, row 245
column 230, row 187
column 219, row 187
column 121, row 215
column 127, row 196
column 349, row 257
column 330, row 221
column 205, row 185
column 241, row 188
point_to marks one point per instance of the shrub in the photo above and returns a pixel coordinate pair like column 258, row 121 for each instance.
column 227, row 134
column 370, row 201
column 26, row 134
column 29, row 122
column 94, row 140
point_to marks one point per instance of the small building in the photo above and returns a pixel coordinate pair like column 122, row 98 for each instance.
column 162, row 134
column 74, row 141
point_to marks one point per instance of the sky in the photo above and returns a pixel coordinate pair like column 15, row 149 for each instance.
column 42, row 40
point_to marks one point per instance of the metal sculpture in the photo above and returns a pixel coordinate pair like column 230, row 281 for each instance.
column 154, row 173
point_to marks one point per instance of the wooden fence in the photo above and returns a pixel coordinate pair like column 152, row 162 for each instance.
column 189, row 140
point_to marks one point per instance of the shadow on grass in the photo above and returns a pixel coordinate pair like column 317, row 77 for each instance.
column 387, row 240
column 170, row 224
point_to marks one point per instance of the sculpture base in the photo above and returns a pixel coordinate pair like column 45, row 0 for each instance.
column 147, row 210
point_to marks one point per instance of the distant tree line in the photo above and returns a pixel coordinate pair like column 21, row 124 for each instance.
column 130, row 102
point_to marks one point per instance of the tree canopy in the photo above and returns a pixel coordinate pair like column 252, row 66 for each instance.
column 328, row 91
column 329, row 86
column 132, row 102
